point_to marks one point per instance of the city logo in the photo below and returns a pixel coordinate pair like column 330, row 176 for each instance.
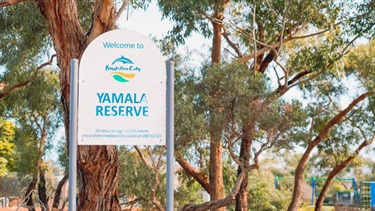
column 122, row 69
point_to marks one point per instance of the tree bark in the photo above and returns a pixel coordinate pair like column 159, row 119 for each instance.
column 335, row 171
column 198, row 175
column 298, row 178
column 42, row 190
column 241, row 198
column 216, row 146
column 99, row 178
column 56, row 198
column 216, row 171
column 34, row 180
column 29, row 193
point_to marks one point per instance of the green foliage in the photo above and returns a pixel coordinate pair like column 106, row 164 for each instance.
column 263, row 195
column 7, row 147
column 361, row 62
column 316, row 54
column 20, row 42
column 192, row 16
column 363, row 21
column 137, row 180
column 188, row 193
column 10, row 185
column 36, row 112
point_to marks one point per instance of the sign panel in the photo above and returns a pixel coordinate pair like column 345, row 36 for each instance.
column 122, row 91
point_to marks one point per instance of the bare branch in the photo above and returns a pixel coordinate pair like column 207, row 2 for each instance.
column 197, row 174
column 46, row 63
column 317, row 33
column 121, row 10
column 5, row 3
column 231, row 44
column 306, row 80
column 270, row 47
column 278, row 77
column 350, row 43
column 10, row 88
column 286, row 74
column 234, row 157
column 140, row 153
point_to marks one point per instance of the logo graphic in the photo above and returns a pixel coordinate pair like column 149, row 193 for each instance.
column 122, row 69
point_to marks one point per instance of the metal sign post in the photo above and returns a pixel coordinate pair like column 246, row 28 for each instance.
column 73, row 134
column 170, row 134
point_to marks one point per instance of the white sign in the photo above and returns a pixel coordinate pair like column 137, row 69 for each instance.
column 122, row 91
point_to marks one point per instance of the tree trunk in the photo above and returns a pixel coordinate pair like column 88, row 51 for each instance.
column 98, row 165
column 335, row 171
column 56, row 198
column 29, row 193
column 298, row 178
column 34, row 180
column 216, row 146
column 42, row 190
column 241, row 198
column 99, row 178
column 216, row 172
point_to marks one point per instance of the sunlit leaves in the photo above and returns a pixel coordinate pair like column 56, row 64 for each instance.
column 7, row 147
column 361, row 61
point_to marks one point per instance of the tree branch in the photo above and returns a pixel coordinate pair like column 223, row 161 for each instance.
column 231, row 44
column 46, row 63
column 271, row 47
column 102, row 20
column 338, row 118
column 10, row 88
column 5, row 3
column 121, row 10
column 197, row 174
column 337, row 169
column 140, row 153
column 234, row 157
column 220, row 202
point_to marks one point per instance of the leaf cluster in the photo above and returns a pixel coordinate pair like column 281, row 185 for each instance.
column 18, row 48
column 7, row 147
column 137, row 180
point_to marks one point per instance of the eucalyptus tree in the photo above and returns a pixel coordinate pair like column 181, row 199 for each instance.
column 287, row 44
column 37, row 115
column 29, row 30
column 359, row 125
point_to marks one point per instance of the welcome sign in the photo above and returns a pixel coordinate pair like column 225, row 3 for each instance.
column 122, row 91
